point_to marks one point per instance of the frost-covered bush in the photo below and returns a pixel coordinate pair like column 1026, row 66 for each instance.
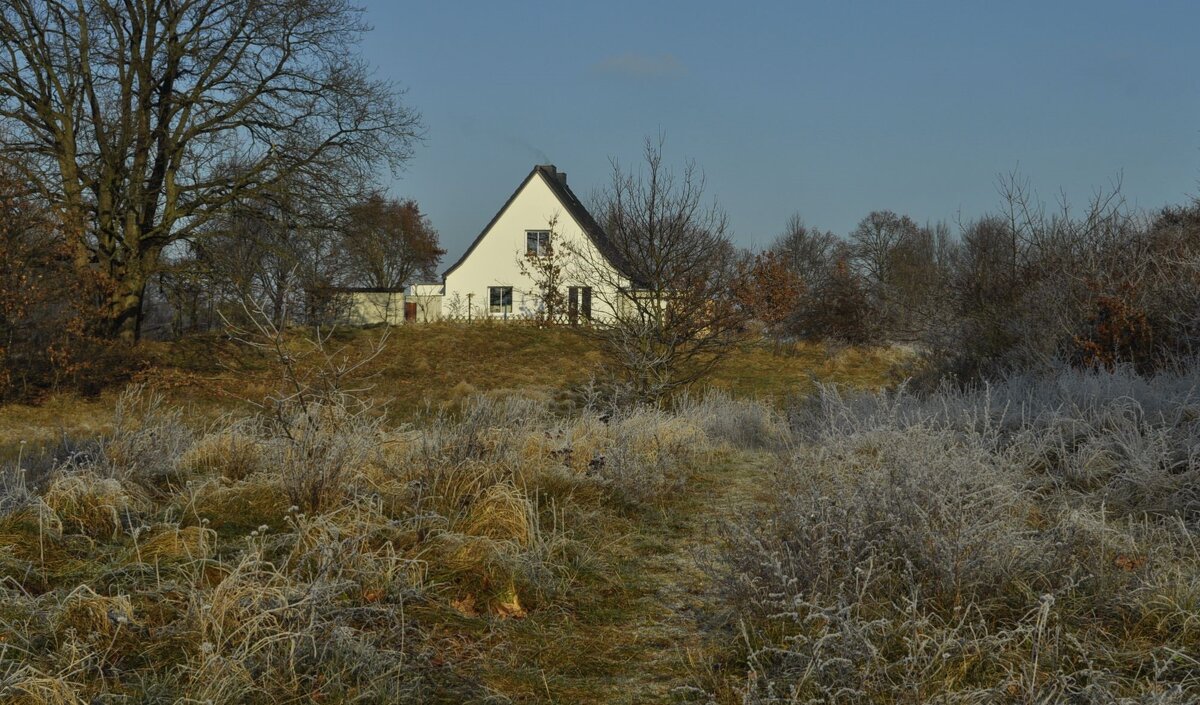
column 1030, row 541
column 741, row 423
column 1130, row 441
column 147, row 440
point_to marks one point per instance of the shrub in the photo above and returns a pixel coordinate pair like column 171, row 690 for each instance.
column 314, row 449
column 1116, row 332
column 48, row 316
column 148, row 439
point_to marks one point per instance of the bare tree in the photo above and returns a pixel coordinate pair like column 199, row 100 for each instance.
column 141, row 119
column 665, row 274
column 838, row 309
column 185, row 288
column 903, row 267
column 280, row 248
column 810, row 253
column 389, row 243
column 875, row 240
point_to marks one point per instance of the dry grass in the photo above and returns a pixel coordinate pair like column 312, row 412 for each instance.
column 429, row 365
column 233, row 508
column 233, row 453
column 774, row 371
column 83, row 614
column 92, row 505
column 30, row 687
column 179, row 558
column 173, row 543
column 1031, row 542
column 494, row 530
column 33, row 429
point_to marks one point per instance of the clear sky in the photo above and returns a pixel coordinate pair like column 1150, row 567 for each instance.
column 828, row 109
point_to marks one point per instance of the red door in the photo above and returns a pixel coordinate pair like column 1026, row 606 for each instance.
column 410, row 310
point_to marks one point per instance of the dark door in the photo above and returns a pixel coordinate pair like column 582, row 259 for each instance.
column 410, row 310
column 579, row 303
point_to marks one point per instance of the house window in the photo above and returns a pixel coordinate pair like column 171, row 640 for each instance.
column 537, row 243
column 500, row 299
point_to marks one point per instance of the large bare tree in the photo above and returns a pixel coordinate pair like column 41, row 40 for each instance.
column 141, row 119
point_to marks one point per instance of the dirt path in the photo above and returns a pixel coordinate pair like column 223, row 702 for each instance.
column 650, row 628
column 667, row 626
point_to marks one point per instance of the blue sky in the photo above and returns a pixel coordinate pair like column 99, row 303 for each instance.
column 827, row 109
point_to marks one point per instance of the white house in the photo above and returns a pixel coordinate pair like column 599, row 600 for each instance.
column 488, row 280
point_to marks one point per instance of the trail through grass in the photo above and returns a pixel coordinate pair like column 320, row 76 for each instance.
column 650, row 635
column 679, row 601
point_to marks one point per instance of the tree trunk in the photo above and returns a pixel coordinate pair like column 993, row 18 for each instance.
column 124, row 309
column 126, row 280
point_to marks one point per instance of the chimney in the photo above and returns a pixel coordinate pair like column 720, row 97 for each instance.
column 553, row 171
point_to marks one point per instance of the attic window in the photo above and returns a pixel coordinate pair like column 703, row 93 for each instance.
column 537, row 243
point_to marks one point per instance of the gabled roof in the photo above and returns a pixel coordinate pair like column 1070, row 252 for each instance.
column 557, row 181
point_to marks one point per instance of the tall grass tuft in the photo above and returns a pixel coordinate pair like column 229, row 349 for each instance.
column 94, row 506
column 148, row 439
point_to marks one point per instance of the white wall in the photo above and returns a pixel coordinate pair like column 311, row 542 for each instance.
column 366, row 308
column 494, row 261
column 428, row 298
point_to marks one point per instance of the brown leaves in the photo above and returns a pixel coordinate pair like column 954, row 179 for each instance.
column 1129, row 564
column 47, row 304
column 1118, row 331
column 768, row 289
column 389, row 242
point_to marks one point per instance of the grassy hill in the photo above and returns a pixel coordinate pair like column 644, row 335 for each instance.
column 419, row 367
column 173, row 539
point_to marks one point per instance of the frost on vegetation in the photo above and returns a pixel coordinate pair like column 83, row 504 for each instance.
column 1032, row 540
column 307, row 551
